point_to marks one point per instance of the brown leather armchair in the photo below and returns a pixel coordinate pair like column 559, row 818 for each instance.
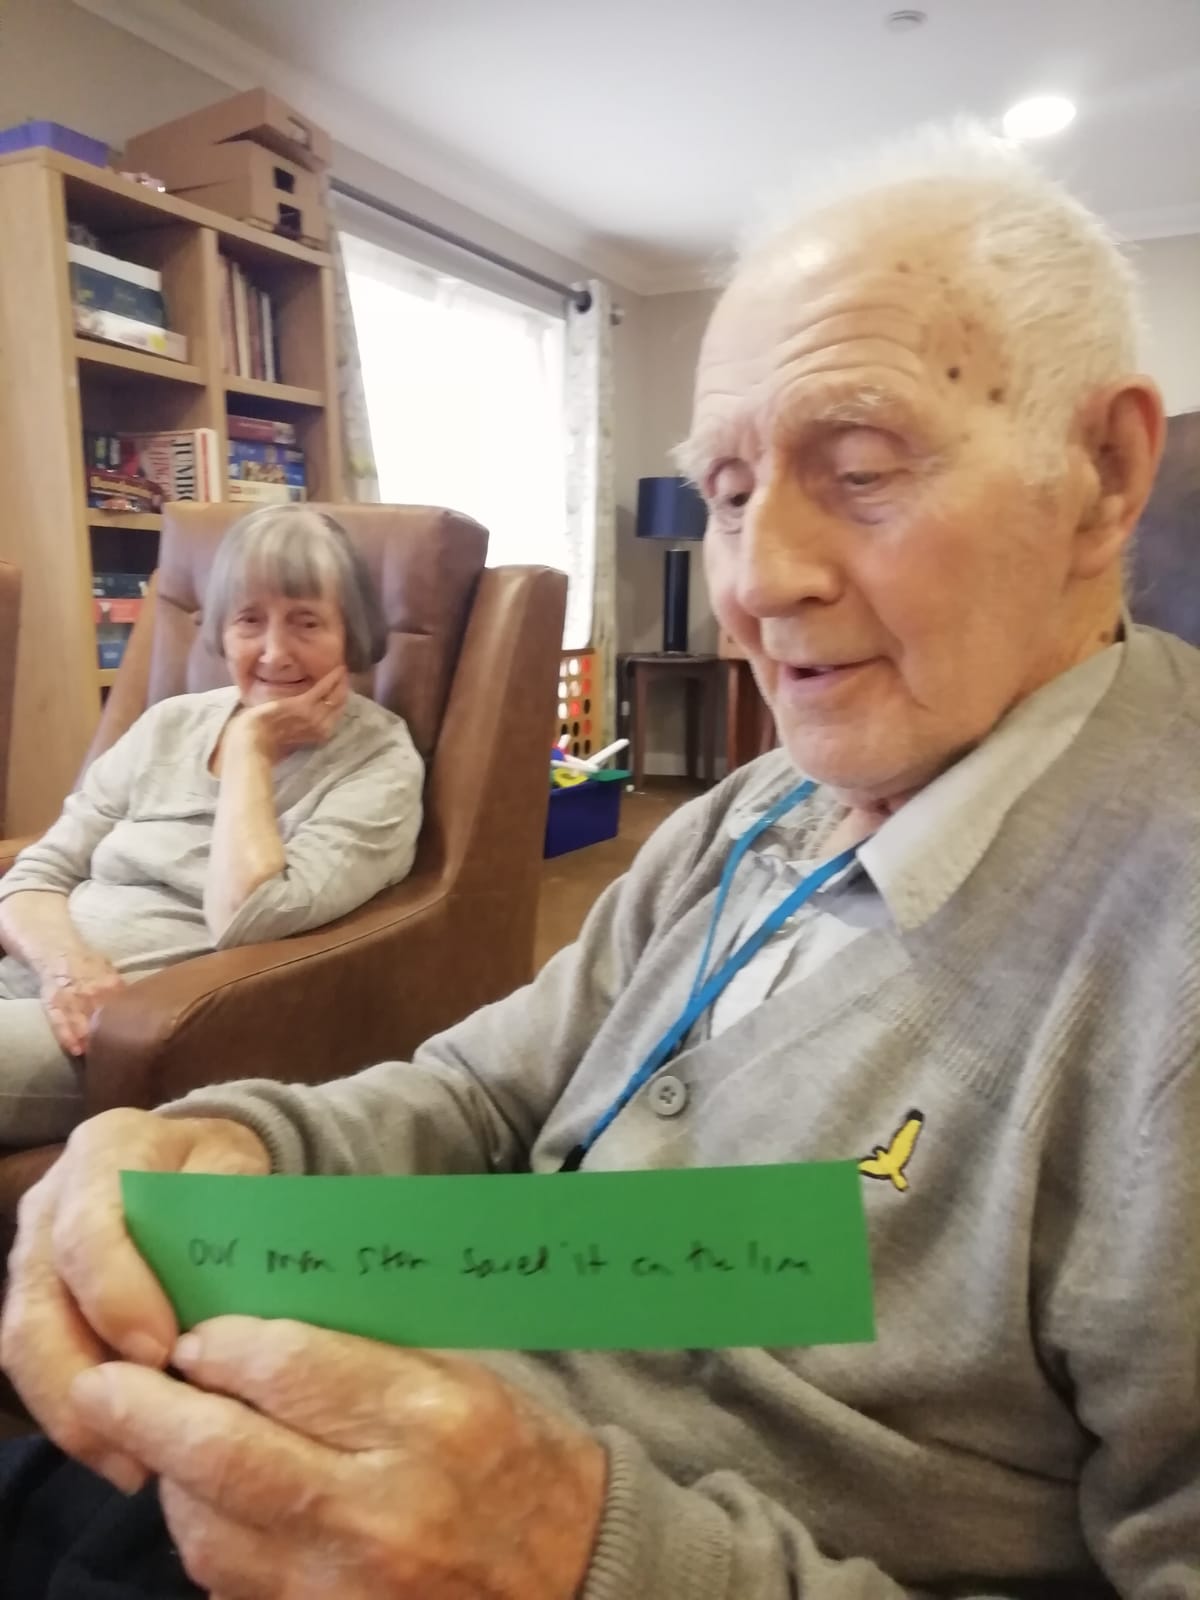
column 471, row 665
column 10, row 613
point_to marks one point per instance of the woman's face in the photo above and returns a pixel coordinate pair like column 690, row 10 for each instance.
column 277, row 645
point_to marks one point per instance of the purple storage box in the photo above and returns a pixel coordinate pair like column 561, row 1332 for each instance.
column 53, row 136
column 584, row 814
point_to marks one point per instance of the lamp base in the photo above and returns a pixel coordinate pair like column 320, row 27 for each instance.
column 675, row 602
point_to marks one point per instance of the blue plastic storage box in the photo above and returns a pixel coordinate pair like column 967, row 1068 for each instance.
column 53, row 136
column 585, row 814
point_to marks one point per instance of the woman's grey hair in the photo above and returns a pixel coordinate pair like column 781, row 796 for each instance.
column 1060, row 291
column 302, row 553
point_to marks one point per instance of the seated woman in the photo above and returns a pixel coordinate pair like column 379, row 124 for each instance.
column 219, row 819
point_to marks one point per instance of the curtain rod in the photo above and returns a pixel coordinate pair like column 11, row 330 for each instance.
column 578, row 296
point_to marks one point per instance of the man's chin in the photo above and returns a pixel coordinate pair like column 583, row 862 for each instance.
column 857, row 779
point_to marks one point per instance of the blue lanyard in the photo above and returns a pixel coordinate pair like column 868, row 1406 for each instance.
column 705, row 990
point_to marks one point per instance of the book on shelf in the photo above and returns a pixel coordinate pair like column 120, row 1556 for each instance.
column 114, row 266
column 270, row 355
column 182, row 465
column 253, row 461
column 121, row 491
column 241, row 321
column 119, row 585
column 109, row 327
column 111, row 642
column 122, row 610
column 228, row 335
column 106, row 283
column 117, row 600
column 251, row 350
column 264, row 429
column 255, row 492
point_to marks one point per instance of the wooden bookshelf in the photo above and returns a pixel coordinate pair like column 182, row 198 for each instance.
column 130, row 521
column 55, row 384
column 90, row 352
column 284, row 394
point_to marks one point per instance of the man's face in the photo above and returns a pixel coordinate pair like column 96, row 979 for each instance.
column 872, row 545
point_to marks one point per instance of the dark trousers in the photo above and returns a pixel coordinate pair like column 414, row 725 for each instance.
column 65, row 1534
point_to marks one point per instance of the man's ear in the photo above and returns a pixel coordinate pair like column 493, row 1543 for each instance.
column 1124, row 430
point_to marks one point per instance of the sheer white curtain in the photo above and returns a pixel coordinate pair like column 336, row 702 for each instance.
column 464, row 393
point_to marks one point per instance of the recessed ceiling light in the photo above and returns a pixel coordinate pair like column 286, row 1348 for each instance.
column 905, row 21
column 1038, row 117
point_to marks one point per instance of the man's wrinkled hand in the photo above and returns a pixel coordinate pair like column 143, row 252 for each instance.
column 78, row 1292
column 305, row 1463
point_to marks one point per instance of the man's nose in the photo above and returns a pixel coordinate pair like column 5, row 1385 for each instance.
column 785, row 552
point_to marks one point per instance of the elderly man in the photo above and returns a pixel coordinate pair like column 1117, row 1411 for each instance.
column 924, row 452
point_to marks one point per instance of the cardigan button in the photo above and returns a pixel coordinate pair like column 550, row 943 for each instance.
column 667, row 1095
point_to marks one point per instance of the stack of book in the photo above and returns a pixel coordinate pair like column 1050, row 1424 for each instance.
column 117, row 599
column 183, row 465
column 249, row 331
column 265, row 467
column 120, row 302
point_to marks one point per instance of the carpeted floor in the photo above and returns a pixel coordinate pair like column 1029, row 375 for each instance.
column 572, row 883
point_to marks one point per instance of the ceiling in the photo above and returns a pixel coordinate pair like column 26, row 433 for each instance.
column 636, row 135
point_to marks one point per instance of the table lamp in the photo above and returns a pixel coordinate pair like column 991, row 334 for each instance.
column 670, row 508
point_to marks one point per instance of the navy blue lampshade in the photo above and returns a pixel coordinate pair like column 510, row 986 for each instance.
column 669, row 508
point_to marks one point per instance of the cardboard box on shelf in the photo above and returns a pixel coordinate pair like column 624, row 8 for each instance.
column 197, row 166
column 255, row 185
column 256, row 114
column 265, row 207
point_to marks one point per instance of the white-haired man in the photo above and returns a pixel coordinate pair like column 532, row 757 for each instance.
column 924, row 452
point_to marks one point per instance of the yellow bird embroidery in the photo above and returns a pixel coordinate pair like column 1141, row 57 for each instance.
column 891, row 1162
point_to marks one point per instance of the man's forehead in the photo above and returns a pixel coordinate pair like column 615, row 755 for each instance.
column 773, row 300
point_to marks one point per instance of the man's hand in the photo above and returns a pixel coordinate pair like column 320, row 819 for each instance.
column 320, row 1464
column 78, row 1290
column 72, row 991
column 298, row 721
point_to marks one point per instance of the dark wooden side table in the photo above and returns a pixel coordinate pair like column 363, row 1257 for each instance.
column 749, row 725
column 701, row 676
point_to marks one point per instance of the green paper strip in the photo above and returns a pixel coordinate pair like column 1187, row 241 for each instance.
column 701, row 1258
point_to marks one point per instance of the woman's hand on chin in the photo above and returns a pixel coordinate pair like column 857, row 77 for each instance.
column 277, row 727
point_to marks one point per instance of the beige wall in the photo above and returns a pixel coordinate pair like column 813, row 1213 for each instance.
column 60, row 62
column 1170, row 274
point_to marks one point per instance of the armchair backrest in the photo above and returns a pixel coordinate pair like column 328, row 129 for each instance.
column 10, row 611
column 471, row 665
column 425, row 561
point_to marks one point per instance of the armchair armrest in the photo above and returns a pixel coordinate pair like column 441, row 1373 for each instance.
column 10, row 849
column 303, row 1009
column 320, row 1005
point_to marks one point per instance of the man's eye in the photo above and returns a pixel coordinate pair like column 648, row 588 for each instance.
column 861, row 480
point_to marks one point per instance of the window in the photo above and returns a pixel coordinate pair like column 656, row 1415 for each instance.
column 464, row 393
